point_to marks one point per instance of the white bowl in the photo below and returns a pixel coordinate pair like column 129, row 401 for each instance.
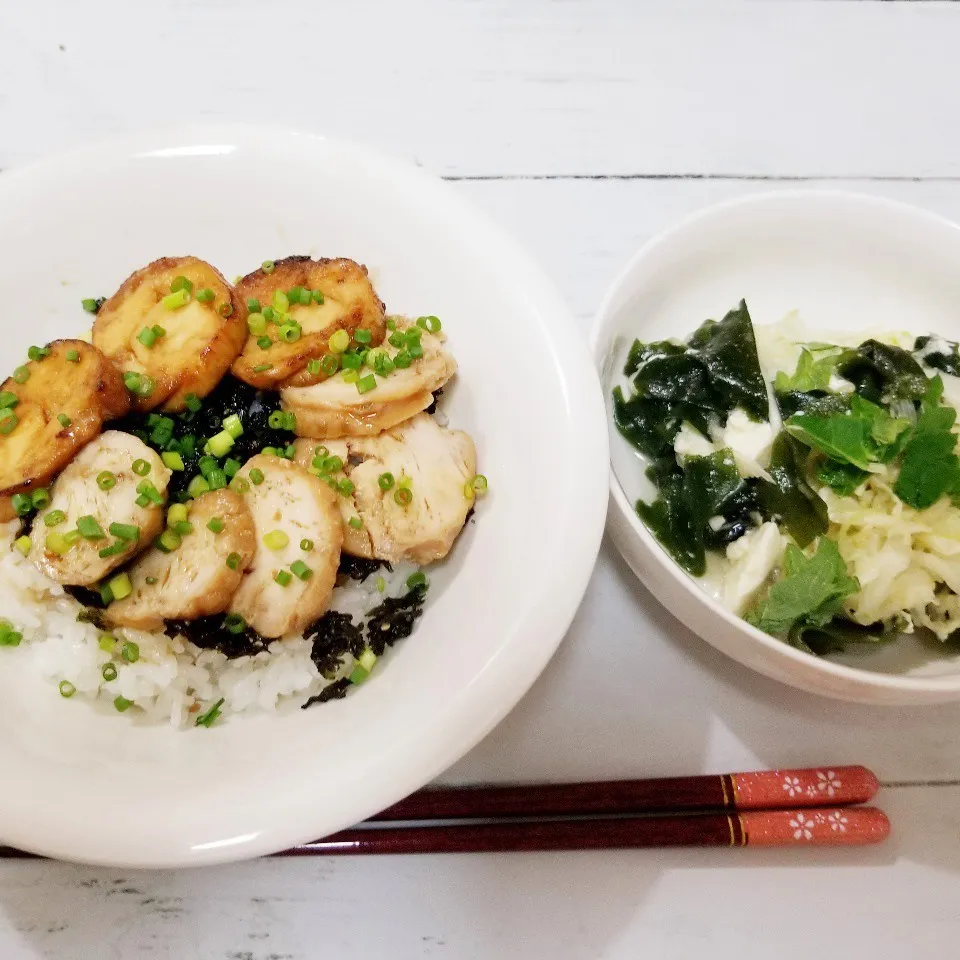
column 846, row 262
column 95, row 787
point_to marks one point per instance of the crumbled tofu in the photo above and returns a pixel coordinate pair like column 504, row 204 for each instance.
column 750, row 442
column 715, row 523
column 753, row 558
column 690, row 442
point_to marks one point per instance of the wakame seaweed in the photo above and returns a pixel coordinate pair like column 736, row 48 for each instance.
column 880, row 372
column 700, row 382
column 787, row 497
column 946, row 362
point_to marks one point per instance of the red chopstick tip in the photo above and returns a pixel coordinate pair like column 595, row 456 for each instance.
column 834, row 827
column 813, row 787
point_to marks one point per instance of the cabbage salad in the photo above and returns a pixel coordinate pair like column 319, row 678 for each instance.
column 812, row 485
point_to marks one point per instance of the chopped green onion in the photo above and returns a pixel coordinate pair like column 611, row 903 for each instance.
column 225, row 310
column 221, row 443
column 381, row 584
column 181, row 283
column 21, row 375
column 281, row 303
column 282, row 577
column 176, row 300
column 114, row 550
column 367, row 383
column 206, row 295
column 22, row 545
column 64, row 420
column 147, row 337
column 89, row 528
column 367, row 659
column 125, row 531
column 382, row 364
column 362, row 336
column 275, row 421
column 150, row 581
column 269, row 314
column 345, row 487
column 22, row 504
column 356, row 523
column 256, row 476
column 172, row 460
column 477, row 486
column 233, row 425
column 234, row 623
column 418, row 579
column 138, row 383
column 193, row 402
column 402, row 360
column 207, row 466
column 90, row 304
column 330, row 364
column 358, row 675
column 207, row 719
column 351, row 361
column 9, row 422
column 262, row 367
column 122, row 704
column 397, row 339
column 233, row 561
column 264, row 343
column 106, row 480
column 215, row 525
column 168, row 541
column 58, row 543
column 253, row 305
column 317, row 296
column 109, row 672
column 290, row 332
column 8, row 636
column 350, row 376
column 231, row 467
column 182, row 528
column 293, row 294
column 403, row 496
column 54, row 518
column 339, row 341
column 146, row 489
column 73, row 356
column 141, row 468
column 120, row 586
column 430, row 324
column 306, row 545
column 415, row 351
column 38, row 353
column 106, row 596
column 240, row 485
column 257, row 324
column 177, row 513
column 130, row 651
column 275, row 540
column 300, row 570
column 197, row 486
column 386, row 481
column 217, row 479
column 313, row 367
column 40, row 498
column 271, row 451
column 8, row 400
column 332, row 464
column 67, row 689
column 107, row 642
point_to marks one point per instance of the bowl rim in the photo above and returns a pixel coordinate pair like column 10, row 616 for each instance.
column 490, row 694
column 600, row 339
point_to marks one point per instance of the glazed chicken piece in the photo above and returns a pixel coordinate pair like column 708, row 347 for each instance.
column 197, row 578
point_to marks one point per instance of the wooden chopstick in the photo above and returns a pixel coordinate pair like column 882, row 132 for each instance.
column 761, row 790
column 838, row 826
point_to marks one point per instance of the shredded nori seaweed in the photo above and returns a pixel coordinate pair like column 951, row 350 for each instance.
column 208, row 633
column 334, row 635
column 335, row 691
column 395, row 619
column 358, row 568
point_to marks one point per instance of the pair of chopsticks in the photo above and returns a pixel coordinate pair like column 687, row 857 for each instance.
column 805, row 807
column 808, row 807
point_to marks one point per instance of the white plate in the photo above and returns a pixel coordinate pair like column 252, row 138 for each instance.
column 95, row 787
column 846, row 263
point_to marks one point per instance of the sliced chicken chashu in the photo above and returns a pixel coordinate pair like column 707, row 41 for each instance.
column 349, row 303
column 78, row 494
column 199, row 340
column 60, row 406
column 196, row 579
column 336, row 408
column 309, row 453
column 288, row 506
column 436, row 462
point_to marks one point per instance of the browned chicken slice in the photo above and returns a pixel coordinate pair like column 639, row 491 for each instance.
column 198, row 578
column 80, row 495
column 60, row 406
column 346, row 301
column 287, row 587
column 199, row 339
column 336, row 408
column 310, row 455
column 433, row 463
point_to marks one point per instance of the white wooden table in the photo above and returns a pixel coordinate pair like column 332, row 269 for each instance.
column 584, row 127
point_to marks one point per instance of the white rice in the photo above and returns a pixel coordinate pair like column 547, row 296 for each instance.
column 173, row 680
